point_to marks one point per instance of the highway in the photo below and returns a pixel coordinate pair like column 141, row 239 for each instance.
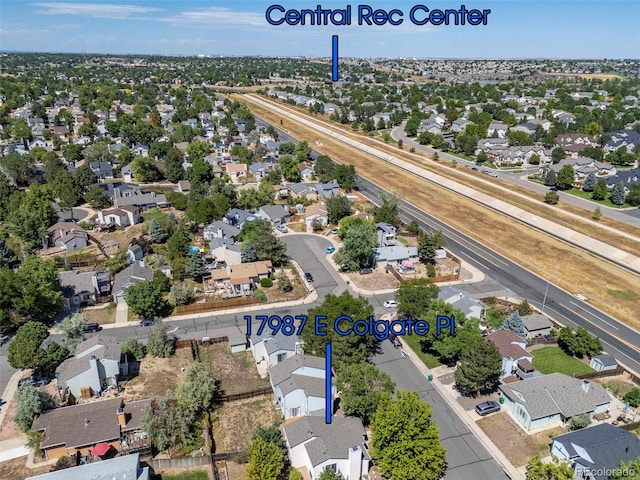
column 617, row 338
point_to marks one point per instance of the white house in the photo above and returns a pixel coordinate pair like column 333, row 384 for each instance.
column 548, row 400
column 497, row 129
column 122, row 217
column 314, row 445
column 269, row 350
column 97, row 364
column 299, row 384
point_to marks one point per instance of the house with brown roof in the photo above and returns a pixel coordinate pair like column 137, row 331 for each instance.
column 97, row 364
column 68, row 236
column 79, row 428
column 238, row 279
column 515, row 359
column 236, row 171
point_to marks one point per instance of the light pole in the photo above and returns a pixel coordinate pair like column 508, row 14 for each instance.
column 544, row 300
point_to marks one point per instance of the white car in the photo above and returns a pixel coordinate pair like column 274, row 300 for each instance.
column 390, row 304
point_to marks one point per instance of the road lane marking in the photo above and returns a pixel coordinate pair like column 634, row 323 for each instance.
column 593, row 314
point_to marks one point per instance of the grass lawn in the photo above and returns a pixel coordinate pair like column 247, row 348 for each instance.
column 495, row 317
column 587, row 195
column 414, row 342
column 553, row 359
column 153, row 214
column 193, row 475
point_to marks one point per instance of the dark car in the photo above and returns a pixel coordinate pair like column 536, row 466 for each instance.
column 91, row 327
column 366, row 271
column 395, row 341
column 308, row 277
column 147, row 322
column 485, row 408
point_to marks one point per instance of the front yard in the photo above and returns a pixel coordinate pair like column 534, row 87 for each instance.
column 553, row 359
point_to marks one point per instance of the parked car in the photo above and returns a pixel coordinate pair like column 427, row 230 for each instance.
column 4, row 339
column 282, row 229
column 485, row 408
column 309, row 277
column 395, row 341
column 366, row 271
column 147, row 322
column 493, row 174
column 474, row 168
column 34, row 381
column 330, row 249
column 91, row 327
column 390, row 304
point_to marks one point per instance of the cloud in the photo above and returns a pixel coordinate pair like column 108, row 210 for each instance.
column 101, row 10
column 218, row 17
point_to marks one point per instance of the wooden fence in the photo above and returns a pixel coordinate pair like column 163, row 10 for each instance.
column 180, row 462
column 219, row 457
column 216, row 305
column 604, row 373
column 630, row 427
column 542, row 341
column 189, row 343
column 244, row 395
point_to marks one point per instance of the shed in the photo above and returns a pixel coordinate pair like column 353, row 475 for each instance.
column 238, row 342
column 603, row 362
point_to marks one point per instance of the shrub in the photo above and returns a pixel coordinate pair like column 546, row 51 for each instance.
column 579, row 421
column 551, row 198
column 633, row 397
column 266, row 282
column 431, row 270
column 284, row 284
column 261, row 295
column 134, row 348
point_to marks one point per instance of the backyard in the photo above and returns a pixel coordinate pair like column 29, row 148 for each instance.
column 553, row 359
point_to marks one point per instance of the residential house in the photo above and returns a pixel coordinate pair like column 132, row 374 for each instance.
column 122, row 217
column 603, row 362
column 622, row 138
column 497, row 130
column 299, row 190
column 83, row 288
column 515, row 359
column 596, row 451
column 471, row 307
column 79, row 428
column 317, row 212
column 460, row 124
column 536, row 325
column 269, row 349
column 488, row 143
column 135, row 273
column 125, row 467
column 313, row 446
column 237, row 217
column 128, row 195
column 238, row 279
column 299, row 385
column 548, row 400
column 328, row 190
column 528, row 127
column 103, row 170
column 276, row 214
column 97, row 364
column 626, row 177
column 135, row 253
column 574, row 143
column 141, row 149
column 221, row 230
column 236, row 171
column 184, row 186
column 259, row 171
column 127, row 174
column 68, row 236
column 224, row 251
column 397, row 256
column 386, row 234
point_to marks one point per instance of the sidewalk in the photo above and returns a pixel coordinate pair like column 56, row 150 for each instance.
column 509, row 469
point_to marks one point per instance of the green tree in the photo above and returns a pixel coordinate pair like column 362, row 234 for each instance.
column 328, row 474
column 579, row 421
column 30, row 403
column 267, row 246
column 405, row 439
column 181, row 294
column 196, row 267
column 338, row 208
column 558, row 154
column 617, row 194
column 160, row 345
column 165, row 422
column 551, row 198
column 289, row 168
column 34, row 215
column 357, row 248
column 173, row 165
column 633, row 397
column 71, row 328
column 345, row 175
column 524, row 308
column 597, row 214
column 25, row 349
column 633, row 197
column 514, row 324
column 266, row 461
column 551, row 178
column 415, row 296
column 98, row 152
column 388, row 211
column 566, row 176
column 271, row 434
column 480, row 368
column 156, row 233
column 145, row 169
column 40, row 297
column 145, row 300
column 134, row 348
column 17, row 167
column 534, row 159
column 198, row 392
column 178, row 244
column 361, row 386
column 428, row 243
column 346, row 349
column 627, row 471
column 537, row 470
column 84, row 177
column 600, row 191
column 96, row 197
column 590, row 182
column 248, row 253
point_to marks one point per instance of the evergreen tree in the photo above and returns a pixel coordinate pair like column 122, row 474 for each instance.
column 566, row 176
column 551, row 178
column 590, row 182
column 156, row 233
column 524, row 308
column 248, row 253
column 617, row 194
column 196, row 267
column 600, row 191
column 173, row 165
column 514, row 323
column 480, row 368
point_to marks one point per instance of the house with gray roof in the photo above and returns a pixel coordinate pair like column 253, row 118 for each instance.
column 328, row 190
column 548, row 400
column 386, row 234
column 126, row 195
column 220, row 230
column 134, row 273
column 126, row 467
column 273, row 349
column 68, row 236
column 536, row 325
column 314, row 445
column 595, row 451
column 237, row 217
column 96, row 365
column 471, row 307
column 396, row 256
column 82, row 288
column 223, row 250
column 276, row 214
column 497, row 130
column 299, row 385
column 603, row 362
column 103, row 170
column 78, row 428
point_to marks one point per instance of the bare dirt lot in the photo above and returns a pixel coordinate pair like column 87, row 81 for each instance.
column 236, row 422
column 378, row 280
column 102, row 315
column 275, row 295
column 157, row 375
column 16, row 469
column 236, row 372
column 517, row 446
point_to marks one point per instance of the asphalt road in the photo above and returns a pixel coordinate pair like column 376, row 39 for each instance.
column 618, row 339
column 467, row 458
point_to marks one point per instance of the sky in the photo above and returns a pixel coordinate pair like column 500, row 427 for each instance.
column 515, row 29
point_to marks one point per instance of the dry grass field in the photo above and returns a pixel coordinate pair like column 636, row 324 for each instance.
column 603, row 284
